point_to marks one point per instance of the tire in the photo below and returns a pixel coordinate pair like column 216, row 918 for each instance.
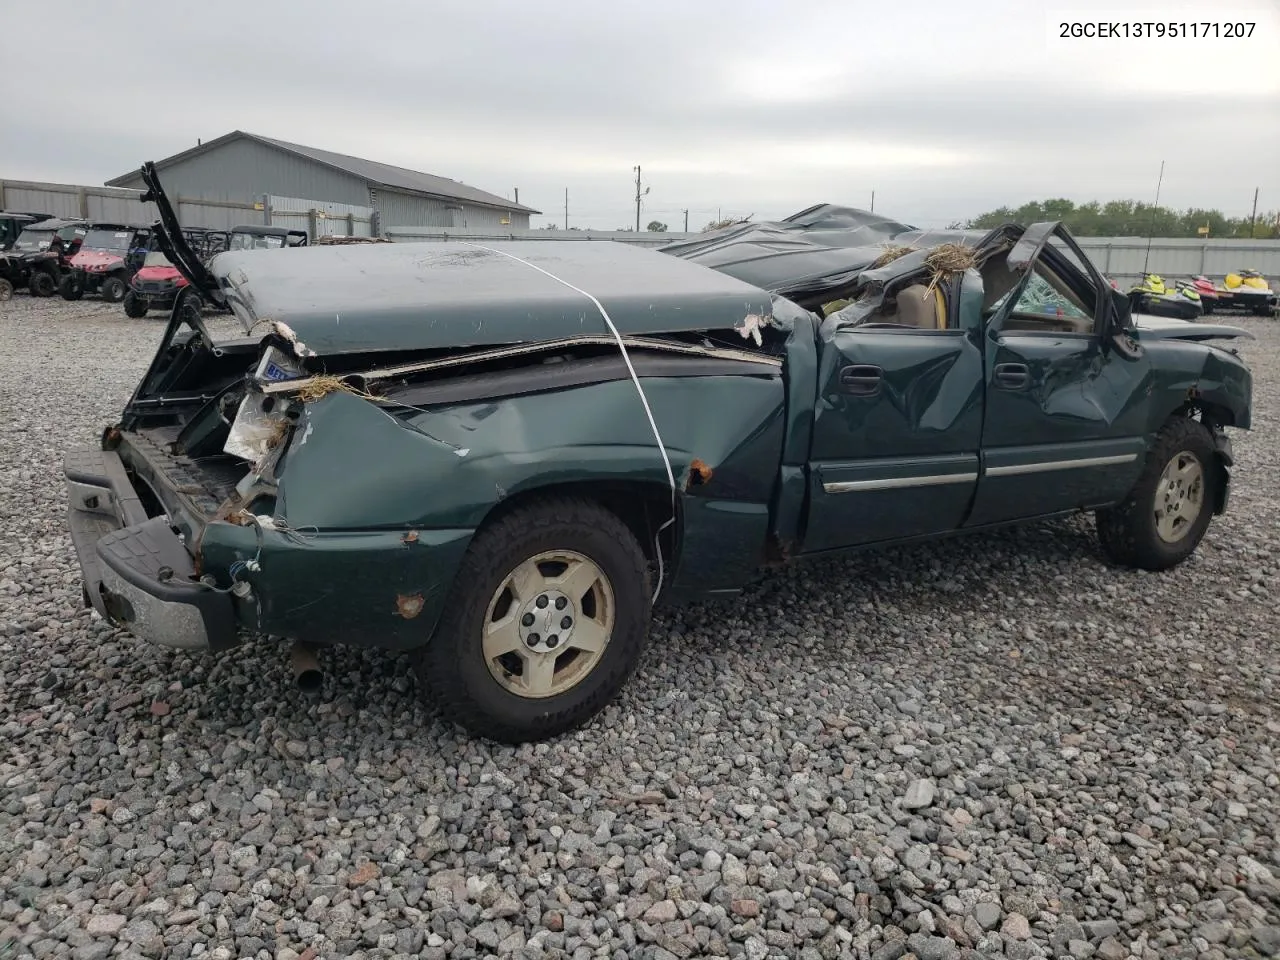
column 70, row 287
column 1131, row 534
column 113, row 289
column 135, row 306
column 190, row 306
column 6, row 290
column 1208, row 307
column 498, row 702
column 42, row 284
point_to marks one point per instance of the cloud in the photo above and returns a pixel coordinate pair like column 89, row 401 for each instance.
column 752, row 107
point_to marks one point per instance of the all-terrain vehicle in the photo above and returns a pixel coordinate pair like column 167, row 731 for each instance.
column 13, row 222
column 108, row 258
column 158, row 285
column 252, row 236
column 40, row 255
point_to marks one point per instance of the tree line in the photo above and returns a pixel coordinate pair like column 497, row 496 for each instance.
column 1132, row 218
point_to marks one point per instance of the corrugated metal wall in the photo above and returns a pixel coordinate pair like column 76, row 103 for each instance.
column 243, row 170
column 453, row 214
column 1122, row 258
column 72, row 200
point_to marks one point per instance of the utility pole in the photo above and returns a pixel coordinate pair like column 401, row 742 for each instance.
column 566, row 208
column 686, row 221
column 638, row 196
column 1253, row 219
column 517, row 194
column 873, row 201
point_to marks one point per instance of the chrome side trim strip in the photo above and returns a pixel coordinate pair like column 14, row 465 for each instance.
column 1021, row 468
column 897, row 483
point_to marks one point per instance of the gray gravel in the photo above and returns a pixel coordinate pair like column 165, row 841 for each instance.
column 987, row 747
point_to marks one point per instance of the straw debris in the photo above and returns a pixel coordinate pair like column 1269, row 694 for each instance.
column 947, row 260
column 320, row 386
column 891, row 253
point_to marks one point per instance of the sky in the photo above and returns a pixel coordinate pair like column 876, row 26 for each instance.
column 944, row 109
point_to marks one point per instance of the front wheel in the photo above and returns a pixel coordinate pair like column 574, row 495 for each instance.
column 548, row 620
column 6, row 290
column 42, row 284
column 135, row 306
column 1166, row 514
column 70, row 287
column 112, row 289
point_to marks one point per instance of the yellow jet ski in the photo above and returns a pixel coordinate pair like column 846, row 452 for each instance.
column 1249, row 290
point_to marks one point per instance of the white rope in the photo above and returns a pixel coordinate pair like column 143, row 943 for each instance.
column 644, row 401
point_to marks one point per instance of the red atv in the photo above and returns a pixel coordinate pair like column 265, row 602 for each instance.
column 108, row 257
column 159, row 284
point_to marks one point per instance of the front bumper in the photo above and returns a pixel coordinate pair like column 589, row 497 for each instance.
column 137, row 570
column 154, row 292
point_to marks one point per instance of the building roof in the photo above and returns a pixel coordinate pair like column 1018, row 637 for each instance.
column 426, row 296
column 379, row 174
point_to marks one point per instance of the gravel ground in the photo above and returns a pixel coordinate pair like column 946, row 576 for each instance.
column 987, row 747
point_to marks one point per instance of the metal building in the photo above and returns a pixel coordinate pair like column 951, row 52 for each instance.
column 243, row 167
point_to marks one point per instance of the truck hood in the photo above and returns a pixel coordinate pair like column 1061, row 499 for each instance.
column 1167, row 328
column 424, row 296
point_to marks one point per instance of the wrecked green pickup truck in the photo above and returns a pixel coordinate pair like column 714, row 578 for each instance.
column 499, row 456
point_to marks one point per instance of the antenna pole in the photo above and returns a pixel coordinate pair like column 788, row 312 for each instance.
column 1151, row 230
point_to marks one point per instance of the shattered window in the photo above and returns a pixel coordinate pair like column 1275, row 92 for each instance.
column 1048, row 297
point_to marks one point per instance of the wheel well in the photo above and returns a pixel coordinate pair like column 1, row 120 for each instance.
column 644, row 507
column 1207, row 412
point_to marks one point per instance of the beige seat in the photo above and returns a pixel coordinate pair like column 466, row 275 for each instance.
column 920, row 307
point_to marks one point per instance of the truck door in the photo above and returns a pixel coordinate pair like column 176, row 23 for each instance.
column 897, row 423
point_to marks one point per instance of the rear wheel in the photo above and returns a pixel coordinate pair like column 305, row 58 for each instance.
column 71, row 287
column 135, row 306
column 548, row 620
column 6, row 290
column 42, row 284
column 1166, row 514
column 113, row 289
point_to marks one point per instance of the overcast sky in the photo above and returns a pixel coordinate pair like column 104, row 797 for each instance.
column 945, row 109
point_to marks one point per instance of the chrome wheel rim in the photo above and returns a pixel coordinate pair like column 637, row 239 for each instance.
column 548, row 624
column 1179, row 497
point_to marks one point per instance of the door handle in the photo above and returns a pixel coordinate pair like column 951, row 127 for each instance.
column 1012, row 376
column 861, row 379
